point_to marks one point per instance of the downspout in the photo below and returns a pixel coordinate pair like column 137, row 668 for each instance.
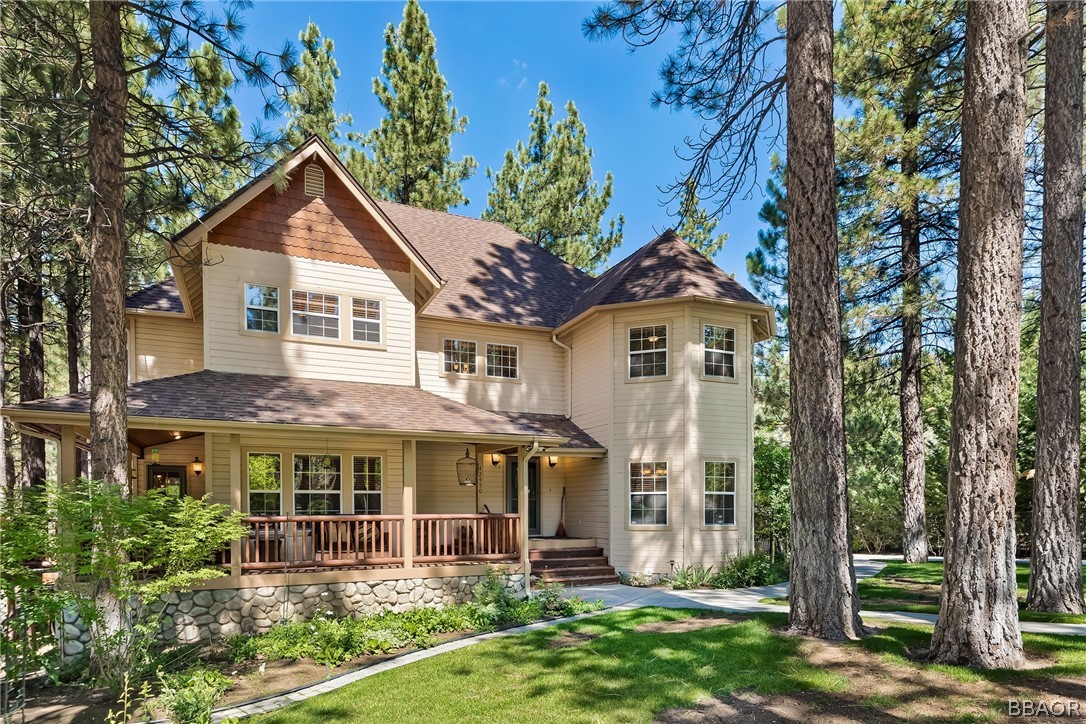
column 569, row 375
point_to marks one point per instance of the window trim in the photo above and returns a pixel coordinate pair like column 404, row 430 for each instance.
column 630, row 524
column 295, row 491
column 705, row 351
column 380, row 493
column 380, row 320
column 245, row 306
column 441, row 358
column 282, row 481
column 734, row 462
column 486, row 362
column 666, row 350
column 338, row 316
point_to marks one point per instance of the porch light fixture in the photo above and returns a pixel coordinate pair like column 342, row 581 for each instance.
column 326, row 461
column 197, row 466
column 495, row 458
column 176, row 435
column 466, row 469
column 552, row 460
column 154, row 456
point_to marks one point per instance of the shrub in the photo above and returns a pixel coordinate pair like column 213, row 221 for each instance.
column 637, row 580
column 688, row 577
column 752, row 569
column 189, row 696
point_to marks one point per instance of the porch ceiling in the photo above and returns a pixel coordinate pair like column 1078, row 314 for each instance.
column 219, row 400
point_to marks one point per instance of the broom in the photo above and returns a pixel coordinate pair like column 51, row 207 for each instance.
column 561, row 532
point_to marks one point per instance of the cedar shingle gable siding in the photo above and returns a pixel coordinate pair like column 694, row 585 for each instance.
column 332, row 227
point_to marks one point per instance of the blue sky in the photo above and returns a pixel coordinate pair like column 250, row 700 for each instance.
column 494, row 54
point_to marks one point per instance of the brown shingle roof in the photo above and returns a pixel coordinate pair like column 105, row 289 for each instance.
column 244, row 398
column 493, row 274
column 160, row 297
column 665, row 268
column 555, row 426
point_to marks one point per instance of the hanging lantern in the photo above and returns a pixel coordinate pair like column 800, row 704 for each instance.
column 326, row 461
column 154, row 455
column 466, row 469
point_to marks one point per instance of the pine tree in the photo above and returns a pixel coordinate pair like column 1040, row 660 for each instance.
column 545, row 190
column 311, row 101
column 407, row 158
column 978, row 606
column 699, row 226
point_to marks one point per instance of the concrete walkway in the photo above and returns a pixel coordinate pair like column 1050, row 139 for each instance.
column 619, row 597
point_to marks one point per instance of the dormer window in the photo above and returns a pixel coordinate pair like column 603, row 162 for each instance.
column 314, row 180
column 314, row 314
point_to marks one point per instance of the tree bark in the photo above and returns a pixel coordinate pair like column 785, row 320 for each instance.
column 1055, row 580
column 31, row 316
column 73, row 326
column 108, row 356
column 914, row 542
column 978, row 607
column 823, row 592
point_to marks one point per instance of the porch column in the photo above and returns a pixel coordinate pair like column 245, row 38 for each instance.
column 69, row 455
column 408, row 505
column 235, row 500
column 522, row 510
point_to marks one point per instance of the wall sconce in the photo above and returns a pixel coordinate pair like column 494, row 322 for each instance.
column 197, row 466
column 495, row 458
column 552, row 460
column 154, row 456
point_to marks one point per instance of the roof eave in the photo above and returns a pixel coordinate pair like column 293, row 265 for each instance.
column 568, row 326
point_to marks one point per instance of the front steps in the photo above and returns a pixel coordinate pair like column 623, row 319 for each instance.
column 572, row 566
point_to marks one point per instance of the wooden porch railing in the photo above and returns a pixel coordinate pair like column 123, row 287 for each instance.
column 321, row 541
column 452, row 538
column 297, row 542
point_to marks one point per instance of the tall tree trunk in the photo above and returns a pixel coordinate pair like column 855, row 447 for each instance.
column 1055, row 579
column 108, row 356
column 73, row 325
column 109, row 448
column 978, row 607
column 31, row 315
column 7, row 474
column 823, row 593
column 914, row 542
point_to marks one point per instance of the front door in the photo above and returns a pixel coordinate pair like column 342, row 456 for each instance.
column 533, row 491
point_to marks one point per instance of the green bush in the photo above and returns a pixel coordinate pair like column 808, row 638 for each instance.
column 189, row 696
column 687, row 577
column 752, row 569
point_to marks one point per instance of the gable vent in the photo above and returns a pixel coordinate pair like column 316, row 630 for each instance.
column 314, row 180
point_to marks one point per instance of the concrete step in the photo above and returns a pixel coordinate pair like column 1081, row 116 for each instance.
column 558, row 553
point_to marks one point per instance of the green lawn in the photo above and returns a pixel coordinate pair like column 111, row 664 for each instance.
column 606, row 670
column 890, row 590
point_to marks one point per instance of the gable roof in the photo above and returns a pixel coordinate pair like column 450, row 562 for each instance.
column 665, row 268
column 160, row 297
column 492, row 273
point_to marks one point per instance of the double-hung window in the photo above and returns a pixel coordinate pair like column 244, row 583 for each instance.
column 648, row 493
column 719, row 492
column 314, row 314
column 366, row 476
column 265, row 483
column 366, row 320
column 261, row 308
column 317, row 484
column 501, row 361
column 648, row 351
column 459, row 357
column 719, row 352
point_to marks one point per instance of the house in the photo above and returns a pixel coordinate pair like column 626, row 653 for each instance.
column 398, row 397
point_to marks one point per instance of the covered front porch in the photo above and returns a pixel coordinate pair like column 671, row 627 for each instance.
column 339, row 502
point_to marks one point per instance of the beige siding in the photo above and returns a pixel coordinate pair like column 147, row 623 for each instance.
column 541, row 386
column 164, row 346
column 177, row 452
column 231, row 349
column 587, row 513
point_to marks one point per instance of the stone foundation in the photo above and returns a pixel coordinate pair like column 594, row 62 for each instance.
column 203, row 615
